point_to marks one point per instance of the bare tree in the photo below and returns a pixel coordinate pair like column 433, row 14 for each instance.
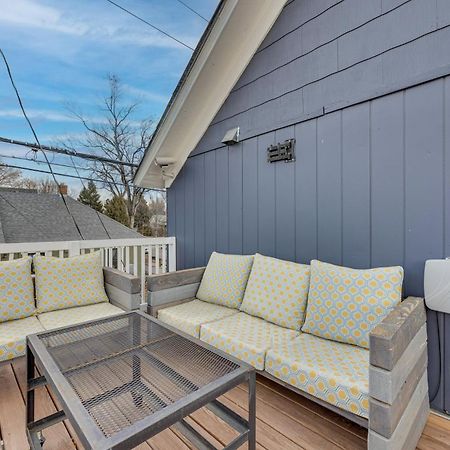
column 117, row 137
column 9, row 177
column 42, row 185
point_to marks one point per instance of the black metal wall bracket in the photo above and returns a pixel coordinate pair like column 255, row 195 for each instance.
column 283, row 151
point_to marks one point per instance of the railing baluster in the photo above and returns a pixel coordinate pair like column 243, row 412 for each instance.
column 157, row 258
column 127, row 259
column 164, row 258
column 135, row 260
column 120, row 262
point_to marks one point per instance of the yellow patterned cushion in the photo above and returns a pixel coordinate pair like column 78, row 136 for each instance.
column 67, row 282
column 334, row 372
column 189, row 316
column 225, row 279
column 13, row 336
column 16, row 289
column 277, row 291
column 346, row 304
column 79, row 314
column 245, row 337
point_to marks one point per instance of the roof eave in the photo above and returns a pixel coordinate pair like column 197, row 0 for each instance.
column 227, row 46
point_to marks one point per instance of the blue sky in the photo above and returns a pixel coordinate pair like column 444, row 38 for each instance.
column 61, row 52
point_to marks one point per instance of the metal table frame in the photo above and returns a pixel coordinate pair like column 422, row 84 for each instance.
column 171, row 415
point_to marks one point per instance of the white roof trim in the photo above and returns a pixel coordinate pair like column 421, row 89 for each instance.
column 236, row 34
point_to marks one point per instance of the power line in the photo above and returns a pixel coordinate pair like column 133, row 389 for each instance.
column 193, row 10
column 39, row 161
column 11, row 79
column 150, row 24
column 13, row 166
column 67, row 152
column 95, row 180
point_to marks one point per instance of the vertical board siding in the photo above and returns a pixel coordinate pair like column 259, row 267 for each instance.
column 356, row 201
column 329, row 188
column 368, row 188
column 387, row 181
column 370, row 184
column 424, row 207
column 199, row 211
column 222, row 200
column 266, row 197
column 306, row 192
column 250, row 196
column 285, row 203
column 179, row 218
column 189, row 214
column 235, row 220
column 210, row 206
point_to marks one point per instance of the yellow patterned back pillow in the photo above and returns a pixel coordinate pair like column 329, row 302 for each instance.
column 16, row 290
column 277, row 291
column 346, row 304
column 66, row 282
column 225, row 279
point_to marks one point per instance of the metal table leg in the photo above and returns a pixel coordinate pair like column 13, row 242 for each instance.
column 252, row 411
column 34, row 427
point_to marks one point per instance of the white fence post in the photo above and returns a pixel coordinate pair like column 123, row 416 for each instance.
column 172, row 255
column 74, row 248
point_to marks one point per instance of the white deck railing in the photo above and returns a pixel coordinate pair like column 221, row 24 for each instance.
column 139, row 257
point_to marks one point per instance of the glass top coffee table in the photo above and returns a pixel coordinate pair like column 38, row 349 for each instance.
column 123, row 379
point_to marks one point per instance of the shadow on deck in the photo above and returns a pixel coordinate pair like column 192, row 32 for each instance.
column 285, row 421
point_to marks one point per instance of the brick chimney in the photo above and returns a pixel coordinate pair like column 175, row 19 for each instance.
column 63, row 188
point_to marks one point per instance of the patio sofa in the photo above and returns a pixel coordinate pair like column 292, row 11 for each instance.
column 58, row 297
column 374, row 373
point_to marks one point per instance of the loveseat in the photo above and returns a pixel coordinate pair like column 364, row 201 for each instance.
column 341, row 337
column 61, row 292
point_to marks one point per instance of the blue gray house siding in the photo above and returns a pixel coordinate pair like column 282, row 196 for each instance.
column 363, row 87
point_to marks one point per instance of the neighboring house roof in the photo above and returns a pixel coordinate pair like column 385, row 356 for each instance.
column 224, row 51
column 26, row 216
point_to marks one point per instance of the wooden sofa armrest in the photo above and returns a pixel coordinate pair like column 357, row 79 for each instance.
column 123, row 289
column 398, row 385
column 172, row 288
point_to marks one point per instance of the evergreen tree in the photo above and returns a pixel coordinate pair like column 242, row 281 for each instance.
column 116, row 208
column 142, row 219
column 90, row 196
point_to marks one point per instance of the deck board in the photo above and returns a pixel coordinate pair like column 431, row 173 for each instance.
column 284, row 421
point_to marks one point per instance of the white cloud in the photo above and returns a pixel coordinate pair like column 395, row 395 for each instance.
column 31, row 14
column 115, row 27
column 146, row 95
column 47, row 115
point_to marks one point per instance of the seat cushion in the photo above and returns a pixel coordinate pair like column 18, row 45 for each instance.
column 225, row 279
column 16, row 289
column 189, row 316
column 245, row 337
column 67, row 282
column 277, row 291
column 346, row 304
column 334, row 372
column 78, row 314
column 13, row 336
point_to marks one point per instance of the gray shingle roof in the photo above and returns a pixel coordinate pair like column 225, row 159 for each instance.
column 26, row 216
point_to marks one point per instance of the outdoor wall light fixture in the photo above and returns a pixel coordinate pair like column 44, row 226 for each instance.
column 231, row 137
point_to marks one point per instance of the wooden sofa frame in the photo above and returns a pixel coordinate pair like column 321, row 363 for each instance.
column 122, row 289
column 398, row 386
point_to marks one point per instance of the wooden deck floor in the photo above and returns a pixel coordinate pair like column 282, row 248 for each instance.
column 284, row 421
